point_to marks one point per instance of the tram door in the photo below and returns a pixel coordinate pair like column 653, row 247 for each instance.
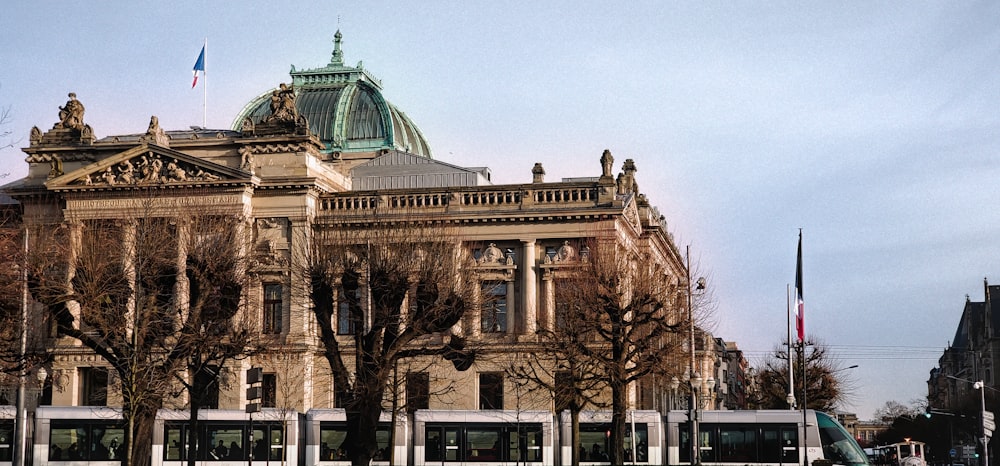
column 779, row 444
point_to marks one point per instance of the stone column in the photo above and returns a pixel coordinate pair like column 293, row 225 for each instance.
column 548, row 311
column 529, row 295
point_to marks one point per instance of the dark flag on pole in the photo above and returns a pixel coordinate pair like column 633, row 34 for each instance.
column 800, row 323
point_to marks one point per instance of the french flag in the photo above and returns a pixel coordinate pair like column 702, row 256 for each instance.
column 199, row 66
column 800, row 307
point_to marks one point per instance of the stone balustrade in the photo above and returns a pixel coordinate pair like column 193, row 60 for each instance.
column 462, row 201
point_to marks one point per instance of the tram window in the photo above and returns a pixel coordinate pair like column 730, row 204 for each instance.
column 224, row 443
column 737, row 444
column 641, row 443
column 526, row 445
column 332, row 436
column 332, row 443
column 106, row 442
column 382, row 440
column 6, row 437
column 482, row 444
column 593, row 444
column 684, row 443
column 65, row 442
column 432, row 445
column 75, row 441
column 451, row 445
column 705, row 445
column 174, row 441
column 268, row 443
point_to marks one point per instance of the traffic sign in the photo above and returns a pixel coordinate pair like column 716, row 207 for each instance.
column 988, row 415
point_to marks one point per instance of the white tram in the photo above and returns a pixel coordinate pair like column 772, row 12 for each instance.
column 93, row 436
column 765, row 437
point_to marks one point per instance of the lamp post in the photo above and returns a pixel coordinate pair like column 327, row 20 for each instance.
column 979, row 385
column 695, row 409
column 987, row 424
column 695, row 379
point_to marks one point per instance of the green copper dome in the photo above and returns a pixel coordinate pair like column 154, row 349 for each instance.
column 345, row 108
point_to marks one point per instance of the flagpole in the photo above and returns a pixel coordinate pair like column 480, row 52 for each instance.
column 788, row 326
column 800, row 328
column 204, row 105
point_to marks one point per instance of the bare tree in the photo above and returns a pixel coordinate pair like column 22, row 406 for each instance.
column 155, row 293
column 213, row 252
column 559, row 368
column 617, row 322
column 394, row 284
column 893, row 409
column 15, row 320
column 826, row 384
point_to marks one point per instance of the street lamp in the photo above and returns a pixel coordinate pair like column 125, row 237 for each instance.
column 695, row 408
column 981, row 386
column 710, row 387
column 695, row 378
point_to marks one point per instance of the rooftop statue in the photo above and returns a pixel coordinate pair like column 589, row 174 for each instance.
column 283, row 104
column 71, row 115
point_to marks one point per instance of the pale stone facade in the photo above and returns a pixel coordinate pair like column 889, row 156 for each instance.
column 282, row 177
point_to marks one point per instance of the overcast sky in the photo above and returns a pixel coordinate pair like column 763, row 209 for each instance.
column 872, row 126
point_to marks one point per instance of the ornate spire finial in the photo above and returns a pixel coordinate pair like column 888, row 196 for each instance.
column 338, row 55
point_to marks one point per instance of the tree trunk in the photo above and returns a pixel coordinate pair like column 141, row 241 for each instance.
column 143, row 421
column 192, row 436
column 575, row 436
column 362, row 422
column 616, row 450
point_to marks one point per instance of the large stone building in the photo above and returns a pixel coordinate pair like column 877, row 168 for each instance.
column 331, row 149
column 971, row 357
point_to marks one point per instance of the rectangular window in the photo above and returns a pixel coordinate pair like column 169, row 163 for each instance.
column 418, row 388
column 346, row 323
column 594, row 444
column 268, row 443
column 562, row 307
column 333, row 434
column 738, row 444
column 93, row 386
column 487, row 442
column 225, row 443
column 269, row 387
column 272, row 307
column 173, row 444
column 85, row 441
column 494, row 309
column 206, row 384
column 491, row 390
column 483, row 444
column 706, row 434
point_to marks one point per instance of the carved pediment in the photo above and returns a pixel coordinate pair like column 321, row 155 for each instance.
column 148, row 165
